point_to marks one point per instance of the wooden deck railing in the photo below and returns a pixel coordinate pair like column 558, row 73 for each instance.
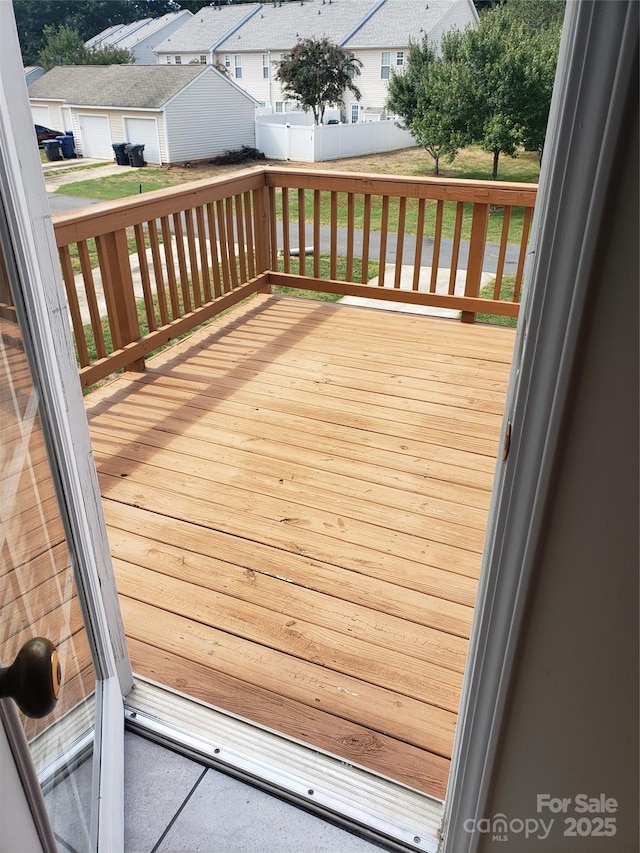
column 140, row 271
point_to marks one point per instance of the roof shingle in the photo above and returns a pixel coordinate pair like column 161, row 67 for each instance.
column 130, row 86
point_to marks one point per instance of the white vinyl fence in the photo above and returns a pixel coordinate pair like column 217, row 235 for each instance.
column 293, row 136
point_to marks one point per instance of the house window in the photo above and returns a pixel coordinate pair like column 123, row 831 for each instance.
column 400, row 58
column 178, row 60
column 168, row 60
column 203, row 59
column 355, row 113
column 385, row 64
column 265, row 66
column 279, row 106
column 262, row 103
column 237, row 62
column 227, row 63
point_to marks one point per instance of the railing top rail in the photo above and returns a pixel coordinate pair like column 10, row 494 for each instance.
column 447, row 189
column 108, row 216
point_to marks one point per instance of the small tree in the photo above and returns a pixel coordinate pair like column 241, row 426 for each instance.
column 425, row 96
column 316, row 74
column 64, row 46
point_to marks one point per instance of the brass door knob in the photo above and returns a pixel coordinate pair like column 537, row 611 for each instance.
column 33, row 679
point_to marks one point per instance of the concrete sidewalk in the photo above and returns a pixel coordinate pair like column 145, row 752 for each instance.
column 57, row 174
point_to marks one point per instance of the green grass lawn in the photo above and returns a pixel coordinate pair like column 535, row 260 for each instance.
column 506, row 295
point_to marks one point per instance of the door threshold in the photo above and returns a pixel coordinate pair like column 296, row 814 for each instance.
column 363, row 802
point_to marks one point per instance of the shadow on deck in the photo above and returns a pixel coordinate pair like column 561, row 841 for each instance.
column 296, row 499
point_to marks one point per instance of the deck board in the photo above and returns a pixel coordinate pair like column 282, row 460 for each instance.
column 296, row 499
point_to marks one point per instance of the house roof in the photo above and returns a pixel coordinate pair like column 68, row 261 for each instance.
column 280, row 27
column 129, row 35
column 397, row 22
column 129, row 86
column 207, row 28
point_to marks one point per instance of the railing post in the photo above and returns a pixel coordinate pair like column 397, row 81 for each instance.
column 262, row 225
column 479, row 225
column 117, row 281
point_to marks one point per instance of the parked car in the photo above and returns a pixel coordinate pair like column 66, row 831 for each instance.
column 43, row 133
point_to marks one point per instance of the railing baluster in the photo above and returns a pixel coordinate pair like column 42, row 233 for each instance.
column 384, row 228
column 242, row 257
column 182, row 264
column 302, row 257
column 92, row 301
column 366, row 230
column 224, row 247
column 502, row 253
column 193, row 259
column 167, row 246
column 402, row 213
column 455, row 249
column 74, row 305
column 523, row 253
column 285, row 230
column 204, row 253
column 248, row 226
column 144, row 275
column 158, row 272
column 231, row 242
column 333, row 252
column 215, row 254
column 316, row 233
column 351, row 205
column 437, row 242
column 273, row 227
column 417, row 260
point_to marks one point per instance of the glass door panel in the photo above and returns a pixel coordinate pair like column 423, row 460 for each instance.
column 38, row 595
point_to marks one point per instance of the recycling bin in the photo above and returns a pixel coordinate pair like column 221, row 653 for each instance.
column 136, row 156
column 122, row 158
column 66, row 146
column 52, row 149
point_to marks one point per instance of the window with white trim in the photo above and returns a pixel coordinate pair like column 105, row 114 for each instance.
column 227, row 62
column 168, row 60
column 265, row 66
column 178, row 60
column 400, row 58
column 203, row 59
column 237, row 66
column 355, row 113
column 279, row 106
column 385, row 64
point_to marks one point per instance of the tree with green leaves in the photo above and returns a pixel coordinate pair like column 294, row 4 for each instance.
column 88, row 17
column 511, row 58
column 316, row 74
column 64, row 46
column 424, row 96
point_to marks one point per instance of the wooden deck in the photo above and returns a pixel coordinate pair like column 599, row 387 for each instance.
column 296, row 500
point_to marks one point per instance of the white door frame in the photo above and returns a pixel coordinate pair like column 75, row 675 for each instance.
column 41, row 308
column 595, row 70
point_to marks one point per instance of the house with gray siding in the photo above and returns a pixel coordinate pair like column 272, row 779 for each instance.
column 140, row 37
column 179, row 114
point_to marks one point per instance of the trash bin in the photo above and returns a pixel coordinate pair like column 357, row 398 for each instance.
column 66, row 144
column 122, row 158
column 136, row 157
column 52, row 149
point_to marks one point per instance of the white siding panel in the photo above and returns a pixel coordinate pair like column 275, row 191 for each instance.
column 207, row 118
column 458, row 17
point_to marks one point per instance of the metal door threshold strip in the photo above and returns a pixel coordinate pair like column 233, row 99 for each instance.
column 371, row 806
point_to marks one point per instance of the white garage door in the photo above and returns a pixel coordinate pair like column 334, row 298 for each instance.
column 96, row 137
column 144, row 131
column 41, row 116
